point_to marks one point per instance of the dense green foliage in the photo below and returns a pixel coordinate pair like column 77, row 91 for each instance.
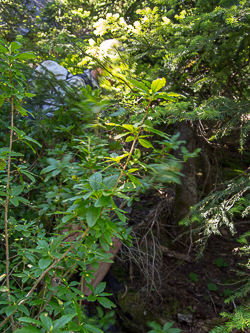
column 68, row 179
column 114, row 143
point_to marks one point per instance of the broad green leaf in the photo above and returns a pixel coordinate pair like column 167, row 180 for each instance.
column 28, row 174
column 167, row 326
column 78, row 310
column 3, row 289
column 91, row 298
column 25, row 56
column 87, row 195
column 14, row 46
column 19, row 132
column 167, row 96
column 102, row 201
column 132, row 170
column 49, row 168
column 119, row 158
column 121, row 195
column 74, row 327
column 28, row 330
column 13, row 154
column 23, row 309
column 118, row 113
column 17, row 190
column 92, row 215
column 66, row 218
column 1, row 101
column 100, row 288
column 29, row 145
column 46, row 320
column 110, row 182
column 120, row 135
column 56, row 242
column 130, row 128
column 10, row 309
column 158, row 85
column 160, row 133
column 121, row 216
column 95, row 181
column 30, row 256
column 212, row 287
column 137, row 153
column 242, row 240
column 61, row 322
column 30, row 320
column 130, row 138
column 3, row 164
column 90, row 287
column 44, row 262
column 43, row 244
column 4, row 151
column 14, row 201
column 28, row 138
column 104, row 301
column 36, row 302
column 112, row 124
column 29, row 95
column 139, row 85
column 107, row 236
column 134, row 179
column 155, row 326
column 145, row 143
column 2, row 277
column 93, row 329
column 148, row 84
column 3, row 49
column 104, row 244
column 23, row 200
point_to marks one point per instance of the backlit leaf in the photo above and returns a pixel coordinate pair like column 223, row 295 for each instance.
column 158, row 84
column 3, row 49
column 145, row 143
column 139, row 85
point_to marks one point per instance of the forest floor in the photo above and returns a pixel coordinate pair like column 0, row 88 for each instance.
column 176, row 286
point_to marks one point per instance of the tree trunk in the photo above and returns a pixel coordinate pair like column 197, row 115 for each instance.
column 186, row 193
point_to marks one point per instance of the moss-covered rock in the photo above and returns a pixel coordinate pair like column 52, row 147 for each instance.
column 133, row 311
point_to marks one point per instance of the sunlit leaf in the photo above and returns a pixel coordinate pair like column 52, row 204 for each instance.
column 145, row 143
column 158, row 85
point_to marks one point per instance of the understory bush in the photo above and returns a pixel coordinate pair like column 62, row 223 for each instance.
column 63, row 172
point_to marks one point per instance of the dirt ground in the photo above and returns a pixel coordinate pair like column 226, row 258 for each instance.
column 176, row 285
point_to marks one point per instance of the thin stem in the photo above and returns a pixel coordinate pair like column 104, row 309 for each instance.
column 133, row 145
column 6, row 210
column 7, row 203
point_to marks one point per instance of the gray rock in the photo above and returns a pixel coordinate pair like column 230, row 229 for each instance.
column 185, row 318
